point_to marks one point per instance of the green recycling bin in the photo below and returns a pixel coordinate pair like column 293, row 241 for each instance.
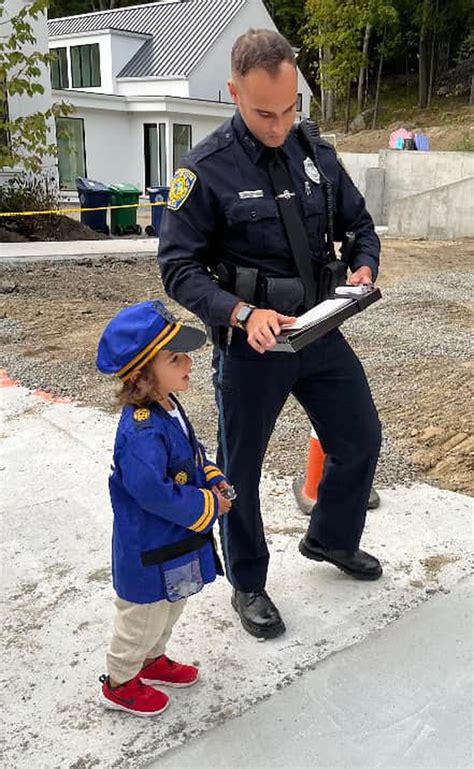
column 123, row 221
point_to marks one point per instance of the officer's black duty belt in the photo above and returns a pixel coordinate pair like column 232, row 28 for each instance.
column 169, row 552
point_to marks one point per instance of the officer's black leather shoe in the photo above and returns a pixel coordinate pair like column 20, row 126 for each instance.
column 258, row 614
column 359, row 564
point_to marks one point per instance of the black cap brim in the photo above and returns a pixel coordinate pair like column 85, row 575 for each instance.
column 186, row 340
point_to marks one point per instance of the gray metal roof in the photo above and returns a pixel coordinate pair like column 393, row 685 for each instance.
column 182, row 31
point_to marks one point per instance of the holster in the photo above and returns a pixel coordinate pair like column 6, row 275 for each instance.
column 331, row 275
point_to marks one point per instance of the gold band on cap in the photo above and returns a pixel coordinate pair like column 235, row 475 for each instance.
column 148, row 352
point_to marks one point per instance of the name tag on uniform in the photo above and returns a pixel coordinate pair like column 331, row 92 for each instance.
column 250, row 194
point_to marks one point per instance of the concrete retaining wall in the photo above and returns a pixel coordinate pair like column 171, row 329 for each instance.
column 443, row 213
column 389, row 176
column 408, row 173
column 356, row 165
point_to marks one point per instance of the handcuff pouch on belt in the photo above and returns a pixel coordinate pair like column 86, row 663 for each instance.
column 285, row 295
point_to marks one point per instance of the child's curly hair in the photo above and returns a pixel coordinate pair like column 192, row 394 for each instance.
column 136, row 391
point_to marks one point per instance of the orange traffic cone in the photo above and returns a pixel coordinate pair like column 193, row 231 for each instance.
column 306, row 489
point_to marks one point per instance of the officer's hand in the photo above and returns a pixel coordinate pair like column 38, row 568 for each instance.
column 361, row 277
column 263, row 326
column 224, row 504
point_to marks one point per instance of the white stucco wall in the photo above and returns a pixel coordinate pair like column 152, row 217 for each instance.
column 123, row 47
column 108, row 146
column 209, row 78
column 21, row 106
column 115, row 50
column 152, row 86
column 114, row 133
column 105, row 52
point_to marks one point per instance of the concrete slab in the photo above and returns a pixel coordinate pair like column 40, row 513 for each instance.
column 401, row 699
column 58, row 599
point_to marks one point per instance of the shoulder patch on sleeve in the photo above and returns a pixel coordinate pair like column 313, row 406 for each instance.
column 142, row 417
column 181, row 186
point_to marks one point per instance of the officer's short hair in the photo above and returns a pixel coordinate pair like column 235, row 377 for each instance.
column 260, row 48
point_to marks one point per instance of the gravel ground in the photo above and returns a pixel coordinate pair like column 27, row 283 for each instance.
column 414, row 345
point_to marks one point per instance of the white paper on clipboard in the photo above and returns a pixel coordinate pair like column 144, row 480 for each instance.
column 321, row 311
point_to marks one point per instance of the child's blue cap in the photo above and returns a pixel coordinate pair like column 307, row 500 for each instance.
column 137, row 333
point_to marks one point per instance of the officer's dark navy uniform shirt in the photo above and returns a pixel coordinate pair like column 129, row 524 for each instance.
column 230, row 214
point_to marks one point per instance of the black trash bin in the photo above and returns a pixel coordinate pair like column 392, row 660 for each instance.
column 93, row 194
column 157, row 195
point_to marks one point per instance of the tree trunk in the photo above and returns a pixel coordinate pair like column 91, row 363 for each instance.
column 327, row 95
column 432, row 62
column 423, row 57
column 471, row 95
column 379, row 78
column 348, row 105
column 430, row 83
column 363, row 69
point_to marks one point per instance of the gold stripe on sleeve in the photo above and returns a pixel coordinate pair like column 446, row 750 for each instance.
column 204, row 520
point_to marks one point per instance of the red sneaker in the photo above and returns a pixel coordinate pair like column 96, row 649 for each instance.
column 134, row 697
column 168, row 673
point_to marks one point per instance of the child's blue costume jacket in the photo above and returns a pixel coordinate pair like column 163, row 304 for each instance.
column 164, row 509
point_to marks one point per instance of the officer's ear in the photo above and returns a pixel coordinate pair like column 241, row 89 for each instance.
column 234, row 95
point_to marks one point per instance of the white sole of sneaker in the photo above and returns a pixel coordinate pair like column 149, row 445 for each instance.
column 156, row 684
column 115, row 706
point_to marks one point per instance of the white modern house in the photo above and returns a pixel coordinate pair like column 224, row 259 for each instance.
column 147, row 83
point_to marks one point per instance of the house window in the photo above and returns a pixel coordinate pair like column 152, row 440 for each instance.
column 155, row 154
column 71, row 151
column 299, row 102
column 59, row 73
column 181, row 143
column 163, row 169
column 85, row 65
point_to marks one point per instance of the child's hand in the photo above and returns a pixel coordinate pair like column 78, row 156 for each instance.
column 222, row 485
column 224, row 504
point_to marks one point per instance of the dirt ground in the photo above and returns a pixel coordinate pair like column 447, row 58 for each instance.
column 451, row 129
column 51, row 315
column 441, row 138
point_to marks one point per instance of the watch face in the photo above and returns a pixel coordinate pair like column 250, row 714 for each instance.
column 243, row 314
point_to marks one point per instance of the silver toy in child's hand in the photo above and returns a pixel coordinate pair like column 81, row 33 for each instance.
column 229, row 493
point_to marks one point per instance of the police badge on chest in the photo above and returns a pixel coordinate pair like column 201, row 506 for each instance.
column 311, row 171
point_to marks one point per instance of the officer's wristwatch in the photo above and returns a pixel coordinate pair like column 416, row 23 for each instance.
column 243, row 315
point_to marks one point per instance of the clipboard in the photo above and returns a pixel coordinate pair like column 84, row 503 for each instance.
column 344, row 307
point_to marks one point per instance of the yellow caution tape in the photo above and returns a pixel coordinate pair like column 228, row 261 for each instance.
column 78, row 210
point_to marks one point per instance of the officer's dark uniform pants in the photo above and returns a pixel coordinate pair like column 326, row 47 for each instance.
column 326, row 377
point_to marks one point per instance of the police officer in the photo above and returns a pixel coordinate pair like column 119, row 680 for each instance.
column 244, row 245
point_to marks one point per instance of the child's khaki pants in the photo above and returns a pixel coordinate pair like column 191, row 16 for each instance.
column 141, row 631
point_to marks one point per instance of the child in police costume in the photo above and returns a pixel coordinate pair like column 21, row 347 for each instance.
column 166, row 497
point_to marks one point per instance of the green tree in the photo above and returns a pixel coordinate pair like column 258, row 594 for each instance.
column 288, row 16
column 334, row 32
column 72, row 7
column 26, row 139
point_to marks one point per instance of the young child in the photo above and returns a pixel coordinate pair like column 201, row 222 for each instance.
column 166, row 497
